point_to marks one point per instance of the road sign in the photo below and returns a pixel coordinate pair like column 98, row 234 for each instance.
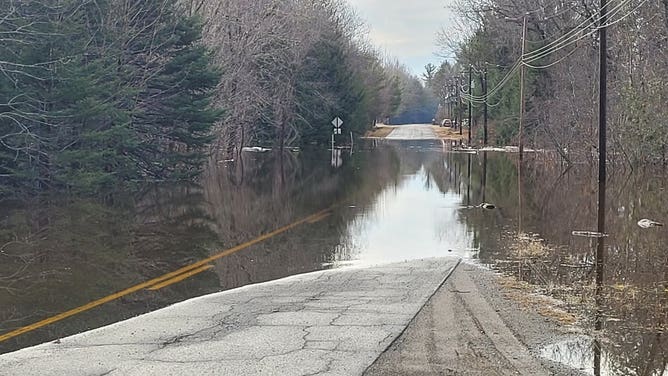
column 337, row 122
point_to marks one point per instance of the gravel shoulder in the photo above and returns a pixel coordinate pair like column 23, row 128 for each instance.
column 469, row 327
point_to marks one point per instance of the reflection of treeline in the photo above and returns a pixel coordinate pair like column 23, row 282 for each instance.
column 59, row 254
column 258, row 194
column 556, row 202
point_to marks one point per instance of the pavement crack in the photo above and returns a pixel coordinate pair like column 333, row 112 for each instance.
column 328, row 368
column 338, row 316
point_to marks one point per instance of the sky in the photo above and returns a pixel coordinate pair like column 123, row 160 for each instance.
column 405, row 29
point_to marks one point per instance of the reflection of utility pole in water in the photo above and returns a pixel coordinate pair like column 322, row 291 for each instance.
column 483, row 183
column 458, row 180
column 450, row 169
column 468, row 185
column 519, row 196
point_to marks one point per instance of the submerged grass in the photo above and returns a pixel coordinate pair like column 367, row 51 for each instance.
column 526, row 295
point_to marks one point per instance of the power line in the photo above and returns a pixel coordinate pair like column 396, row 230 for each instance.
column 612, row 13
column 575, row 31
column 567, row 39
column 554, row 46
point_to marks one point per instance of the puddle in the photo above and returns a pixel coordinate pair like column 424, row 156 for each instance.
column 592, row 357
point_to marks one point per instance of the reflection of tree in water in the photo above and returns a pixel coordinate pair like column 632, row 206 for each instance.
column 60, row 254
column 555, row 203
column 70, row 251
column 262, row 192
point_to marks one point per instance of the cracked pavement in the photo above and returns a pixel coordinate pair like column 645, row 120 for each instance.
column 334, row 322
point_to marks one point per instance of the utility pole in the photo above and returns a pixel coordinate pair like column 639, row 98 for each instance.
column 459, row 108
column 449, row 104
column 524, row 37
column 484, row 112
column 602, row 154
column 449, row 89
column 470, row 102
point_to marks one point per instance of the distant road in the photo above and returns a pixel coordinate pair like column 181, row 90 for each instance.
column 413, row 132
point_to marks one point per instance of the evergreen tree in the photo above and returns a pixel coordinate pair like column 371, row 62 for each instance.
column 108, row 93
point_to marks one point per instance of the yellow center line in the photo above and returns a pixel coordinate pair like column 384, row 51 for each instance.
column 154, row 281
column 320, row 217
column 180, row 278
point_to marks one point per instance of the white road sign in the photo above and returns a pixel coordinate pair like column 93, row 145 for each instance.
column 337, row 122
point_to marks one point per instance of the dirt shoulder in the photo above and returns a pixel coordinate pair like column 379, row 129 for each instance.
column 447, row 133
column 472, row 327
column 379, row 131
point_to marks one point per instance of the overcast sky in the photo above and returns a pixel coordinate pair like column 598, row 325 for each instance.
column 405, row 29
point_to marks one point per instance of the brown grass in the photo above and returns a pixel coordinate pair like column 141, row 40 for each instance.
column 447, row 133
column 522, row 293
column 379, row 131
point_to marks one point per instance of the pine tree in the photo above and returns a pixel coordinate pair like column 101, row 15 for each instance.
column 109, row 93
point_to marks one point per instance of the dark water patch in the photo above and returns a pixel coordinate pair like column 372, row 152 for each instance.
column 599, row 358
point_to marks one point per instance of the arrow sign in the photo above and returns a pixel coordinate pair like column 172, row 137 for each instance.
column 337, row 122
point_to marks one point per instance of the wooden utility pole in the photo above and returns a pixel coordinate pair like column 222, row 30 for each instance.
column 524, row 43
column 470, row 102
column 484, row 112
column 449, row 90
column 459, row 108
column 602, row 155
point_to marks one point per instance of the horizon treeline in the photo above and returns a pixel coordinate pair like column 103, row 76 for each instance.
column 104, row 96
column 562, row 74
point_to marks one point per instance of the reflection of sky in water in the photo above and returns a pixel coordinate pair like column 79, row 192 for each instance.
column 410, row 221
column 578, row 353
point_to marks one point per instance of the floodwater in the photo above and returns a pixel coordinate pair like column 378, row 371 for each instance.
column 388, row 202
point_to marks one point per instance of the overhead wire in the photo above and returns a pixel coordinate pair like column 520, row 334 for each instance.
column 586, row 24
column 611, row 14
column 554, row 46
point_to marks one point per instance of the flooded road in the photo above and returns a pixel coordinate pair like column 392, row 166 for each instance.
column 389, row 202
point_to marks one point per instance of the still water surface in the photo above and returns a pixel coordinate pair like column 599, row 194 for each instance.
column 389, row 203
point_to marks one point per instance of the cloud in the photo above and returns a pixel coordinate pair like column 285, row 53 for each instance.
column 405, row 29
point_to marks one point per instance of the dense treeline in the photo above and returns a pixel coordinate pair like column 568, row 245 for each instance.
column 97, row 96
column 562, row 76
column 290, row 67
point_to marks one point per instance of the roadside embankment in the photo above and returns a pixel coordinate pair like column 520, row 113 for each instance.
column 472, row 327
